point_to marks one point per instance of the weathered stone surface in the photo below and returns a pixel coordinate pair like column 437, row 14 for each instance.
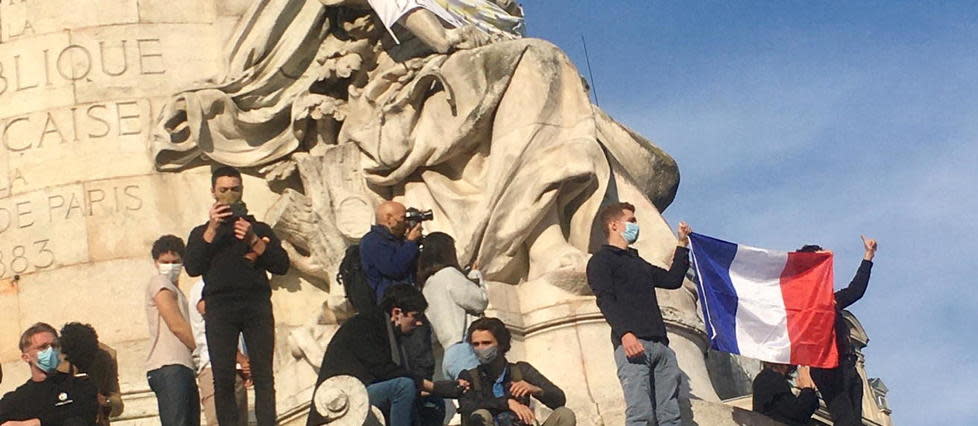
column 81, row 84
column 498, row 138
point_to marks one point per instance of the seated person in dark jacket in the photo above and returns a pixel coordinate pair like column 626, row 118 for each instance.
column 362, row 348
column 49, row 397
column 499, row 392
column 773, row 396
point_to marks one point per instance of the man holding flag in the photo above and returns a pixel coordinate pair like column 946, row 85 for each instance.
column 779, row 307
column 841, row 387
column 623, row 284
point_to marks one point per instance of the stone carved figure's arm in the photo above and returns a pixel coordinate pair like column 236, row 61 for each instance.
column 427, row 28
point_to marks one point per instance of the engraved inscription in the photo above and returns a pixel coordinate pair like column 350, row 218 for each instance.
column 121, row 58
column 33, row 226
column 45, row 129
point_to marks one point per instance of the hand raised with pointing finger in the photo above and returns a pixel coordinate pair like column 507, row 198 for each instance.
column 870, row 245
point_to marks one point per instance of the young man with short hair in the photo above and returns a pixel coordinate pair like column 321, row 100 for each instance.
column 49, row 397
column 369, row 347
column 169, row 363
column 235, row 252
column 500, row 391
column 624, row 285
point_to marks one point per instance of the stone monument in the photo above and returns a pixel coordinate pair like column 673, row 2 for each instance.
column 112, row 111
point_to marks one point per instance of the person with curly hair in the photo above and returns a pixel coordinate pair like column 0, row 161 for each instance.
column 85, row 354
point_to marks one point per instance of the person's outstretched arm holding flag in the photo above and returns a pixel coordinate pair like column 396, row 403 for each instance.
column 842, row 387
column 624, row 285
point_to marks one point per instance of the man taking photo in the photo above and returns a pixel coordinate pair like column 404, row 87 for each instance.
column 235, row 252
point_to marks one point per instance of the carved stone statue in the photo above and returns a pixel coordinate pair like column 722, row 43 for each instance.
column 439, row 104
column 494, row 132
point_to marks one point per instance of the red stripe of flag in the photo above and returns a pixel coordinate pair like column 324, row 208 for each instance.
column 806, row 285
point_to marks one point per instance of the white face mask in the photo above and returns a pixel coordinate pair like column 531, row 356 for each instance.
column 171, row 270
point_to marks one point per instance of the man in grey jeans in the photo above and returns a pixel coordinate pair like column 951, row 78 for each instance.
column 624, row 284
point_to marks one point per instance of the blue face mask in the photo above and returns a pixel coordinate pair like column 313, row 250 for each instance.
column 48, row 359
column 630, row 234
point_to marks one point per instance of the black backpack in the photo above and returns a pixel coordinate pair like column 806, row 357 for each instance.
column 354, row 282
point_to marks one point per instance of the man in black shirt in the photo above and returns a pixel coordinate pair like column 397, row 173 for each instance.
column 773, row 396
column 234, row 252
column 624, row 285
column 499, row 391
column 842, row 387
column 49, row 397
column 369, row 347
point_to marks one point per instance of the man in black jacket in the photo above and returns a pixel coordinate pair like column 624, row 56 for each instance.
column 773, row 396
column 234, row 252
column 499, row 392
column 368, row 347
column 624, row 285
column 841, row 387
column 49, row 397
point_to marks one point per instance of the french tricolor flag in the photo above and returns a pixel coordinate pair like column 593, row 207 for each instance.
column 770, row 305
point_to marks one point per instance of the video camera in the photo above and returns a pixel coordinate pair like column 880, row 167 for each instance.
column 415, row 216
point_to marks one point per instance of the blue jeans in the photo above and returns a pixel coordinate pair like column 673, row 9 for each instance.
column 458, row 358
column 176, row 392
column 651, row 385
column 395, row 397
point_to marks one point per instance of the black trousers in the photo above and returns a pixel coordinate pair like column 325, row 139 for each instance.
column 842, row 391
column 224, row 322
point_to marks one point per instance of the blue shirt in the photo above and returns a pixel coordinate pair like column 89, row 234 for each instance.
column 387, row 260
column 498, row 390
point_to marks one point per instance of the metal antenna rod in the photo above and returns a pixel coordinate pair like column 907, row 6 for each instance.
column 587, row 60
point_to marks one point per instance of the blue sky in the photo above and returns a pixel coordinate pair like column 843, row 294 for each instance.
column 800, row 122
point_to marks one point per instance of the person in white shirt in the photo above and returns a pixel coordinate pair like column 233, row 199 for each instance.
column 454, row 300
column 202, row 359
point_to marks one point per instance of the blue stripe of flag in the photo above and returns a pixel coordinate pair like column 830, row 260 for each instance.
column 718, row 298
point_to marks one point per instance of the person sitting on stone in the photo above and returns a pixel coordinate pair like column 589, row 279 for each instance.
column 49, row 397
column 773, row 396
column 369, row 347
column 499, row 391
column 454, row 299
column 85, row 354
